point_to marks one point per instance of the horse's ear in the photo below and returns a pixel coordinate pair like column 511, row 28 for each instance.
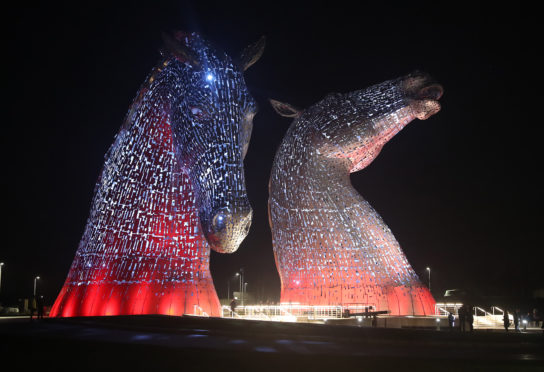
column 285, row 109
column 252, row 53
column 174, row 46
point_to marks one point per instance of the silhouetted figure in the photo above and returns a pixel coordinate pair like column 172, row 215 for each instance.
column 506, row 320
column 462, row 318
column 32, row 307
column 526, row 320
column 516, row 320
column 233, row 305
column 451, row 321
column 39, row 303
column 374, row 321
column 535, row 317
column 470, row 318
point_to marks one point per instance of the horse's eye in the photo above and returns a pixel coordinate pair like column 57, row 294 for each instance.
column 198, row 113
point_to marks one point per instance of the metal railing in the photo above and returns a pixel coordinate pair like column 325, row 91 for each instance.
column 296, row 312
column 197, row 310
column 485, row 319
column 444, row 308
column 482, row 317
column 284, row 312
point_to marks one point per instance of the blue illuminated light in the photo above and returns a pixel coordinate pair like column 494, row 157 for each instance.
column 209, row 77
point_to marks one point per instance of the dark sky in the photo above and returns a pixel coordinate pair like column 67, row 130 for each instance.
column 460, row 191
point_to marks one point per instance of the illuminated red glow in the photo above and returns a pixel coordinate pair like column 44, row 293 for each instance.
column 143, row 251
column 108, row 299
column 399, row 300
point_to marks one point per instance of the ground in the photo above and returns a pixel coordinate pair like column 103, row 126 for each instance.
column 182, row 343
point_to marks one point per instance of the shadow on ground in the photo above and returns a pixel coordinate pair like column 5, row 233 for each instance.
column 189, row 343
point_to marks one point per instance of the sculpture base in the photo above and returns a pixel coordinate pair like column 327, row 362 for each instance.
column 137, row 299
column 400, row 300
column 410, row 301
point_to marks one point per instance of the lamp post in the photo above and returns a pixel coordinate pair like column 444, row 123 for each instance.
column 1, row 264
column 241, row 288
column 35, row 279
column 429, row 270
column 228, row 284
column 245, row 288
column 240, row 280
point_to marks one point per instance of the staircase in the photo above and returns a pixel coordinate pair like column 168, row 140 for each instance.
column 489, row 320
column 483, row 319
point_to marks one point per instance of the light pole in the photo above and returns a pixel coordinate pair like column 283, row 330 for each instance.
column 241, row 288
column 240, row 280
column 429, row 270
column 36, row 278
column 1, row 264
column 245, row 288
column 228, row 284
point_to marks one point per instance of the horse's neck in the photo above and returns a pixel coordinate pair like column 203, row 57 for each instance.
column 309, row 182
column 141, row 174
column 317, row 194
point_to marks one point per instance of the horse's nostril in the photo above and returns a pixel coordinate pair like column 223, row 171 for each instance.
column 433, row 91
column 247, row 226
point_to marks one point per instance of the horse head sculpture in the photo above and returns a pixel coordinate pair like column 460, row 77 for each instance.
column 331, row 246
column 172, row 187
column 211, row 125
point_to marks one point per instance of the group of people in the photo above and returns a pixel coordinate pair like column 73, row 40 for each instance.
column 465, row 316
column 36, row 306
column 517, row 317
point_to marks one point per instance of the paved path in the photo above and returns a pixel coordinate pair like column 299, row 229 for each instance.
column 151, row 342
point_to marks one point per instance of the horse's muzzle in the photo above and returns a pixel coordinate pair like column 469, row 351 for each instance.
column 226, row 231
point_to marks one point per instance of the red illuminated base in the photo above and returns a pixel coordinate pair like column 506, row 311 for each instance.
column 137, row 299
column 400, row 300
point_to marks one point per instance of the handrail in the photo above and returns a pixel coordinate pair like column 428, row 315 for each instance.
column 495, row 307
column 201, row 311
column 293, row 312
column 233, row 313
column 476, row 308
column 443, row 310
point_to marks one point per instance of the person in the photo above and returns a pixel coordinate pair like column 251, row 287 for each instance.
column 516, row 320
column 233, row 305
column 506, row 320
column 32, row 307
column 462, row 318
column 536, row 318
column 40, row 307
column 526, row 320
column 451, row 321
column 470, row 318
column 374, row 321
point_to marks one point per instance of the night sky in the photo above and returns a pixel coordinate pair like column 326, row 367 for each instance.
column 460, row 191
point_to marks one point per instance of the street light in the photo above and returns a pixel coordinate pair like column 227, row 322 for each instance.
column 228, row 284
column 241, row 274
column 429, row 270
column 245, row 288
column 36, row 278
column 1, row 264
column 240, row 280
